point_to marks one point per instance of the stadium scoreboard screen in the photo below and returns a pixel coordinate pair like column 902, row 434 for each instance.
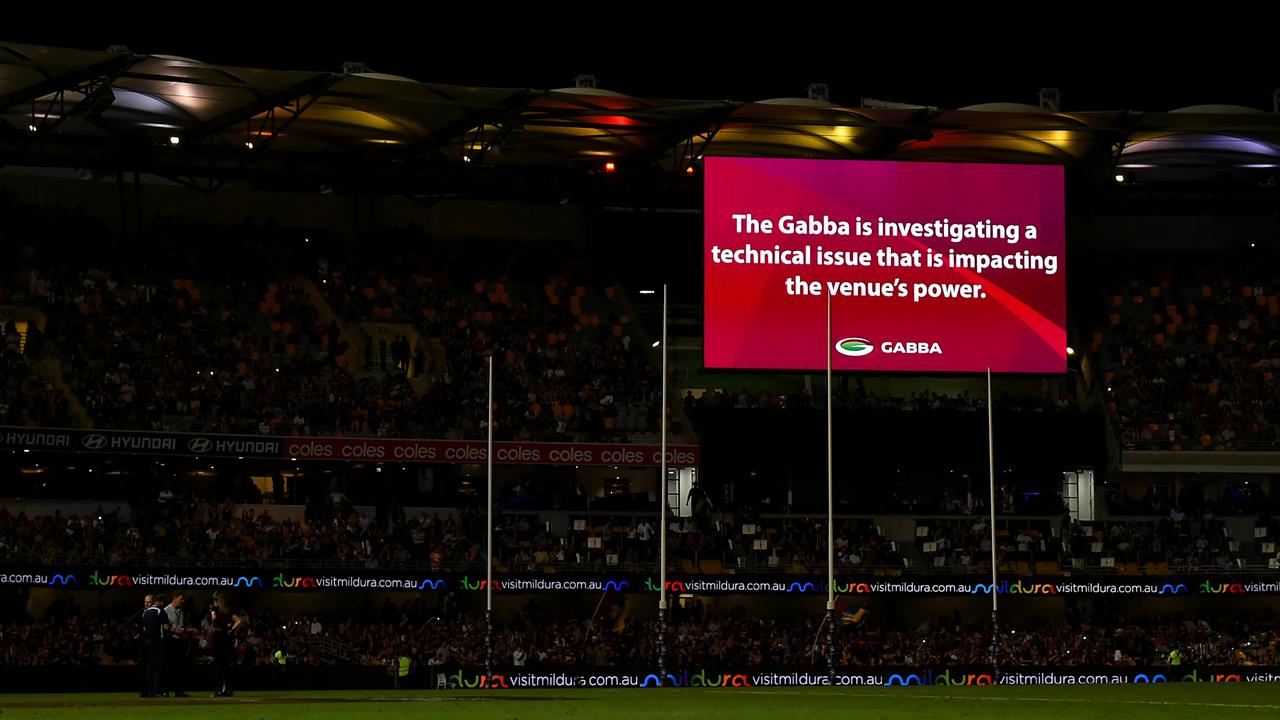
column 931, row 267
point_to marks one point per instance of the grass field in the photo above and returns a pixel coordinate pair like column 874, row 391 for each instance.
column 1162, row 702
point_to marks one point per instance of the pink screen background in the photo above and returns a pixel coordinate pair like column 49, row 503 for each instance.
column 752, row 323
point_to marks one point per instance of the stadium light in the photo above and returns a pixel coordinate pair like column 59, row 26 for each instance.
column 174, row 139
column 1071, row 350
column 610, row 167
column 656, row 343
column 1120, row 178
column 248, row 145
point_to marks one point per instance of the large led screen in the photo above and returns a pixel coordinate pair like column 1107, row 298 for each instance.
column 930, row 267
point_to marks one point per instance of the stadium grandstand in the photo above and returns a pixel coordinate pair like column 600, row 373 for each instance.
column 370, row 371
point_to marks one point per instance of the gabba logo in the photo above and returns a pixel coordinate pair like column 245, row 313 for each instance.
column 672, row 586
column 280, row 581
column 110, row 580
column 62, row 580
column 1231, row 588
column 854, row 347
column 437, row 584
column 1018, row 588
column 699, row 679
column 479, row 681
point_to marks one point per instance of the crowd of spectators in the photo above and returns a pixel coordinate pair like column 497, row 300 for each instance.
column 862, row 399
column 191, row 327
column 196, row 533
column 567, row 363
column 1049, row 545
column 214, row 533
column 184, row 530
column 199, row 327
column 26, row 396
column 1189, row 352
column 534, row 638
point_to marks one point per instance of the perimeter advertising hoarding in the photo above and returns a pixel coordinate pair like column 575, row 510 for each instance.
column 406, row 450
column 340, row 576
column 931, row 267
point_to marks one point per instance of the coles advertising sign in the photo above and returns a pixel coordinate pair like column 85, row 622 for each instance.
column 930, row 267
column 215, row 445
column 474, row 451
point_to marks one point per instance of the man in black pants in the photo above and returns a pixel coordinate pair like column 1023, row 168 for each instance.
column 136, row 622
column 154, row 623
column 175, row 645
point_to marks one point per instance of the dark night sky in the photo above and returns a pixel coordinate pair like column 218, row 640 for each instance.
column 1104, row 63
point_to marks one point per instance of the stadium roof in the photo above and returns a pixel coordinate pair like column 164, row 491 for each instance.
column 113, row 110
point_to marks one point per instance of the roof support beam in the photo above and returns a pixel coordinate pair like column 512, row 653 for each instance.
column 110, row 68
column 312, row 87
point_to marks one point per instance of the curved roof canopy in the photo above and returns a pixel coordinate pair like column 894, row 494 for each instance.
column 73, row 103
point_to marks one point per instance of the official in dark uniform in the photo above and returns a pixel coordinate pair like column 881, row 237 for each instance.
column 154, row 628
column 139, row 645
